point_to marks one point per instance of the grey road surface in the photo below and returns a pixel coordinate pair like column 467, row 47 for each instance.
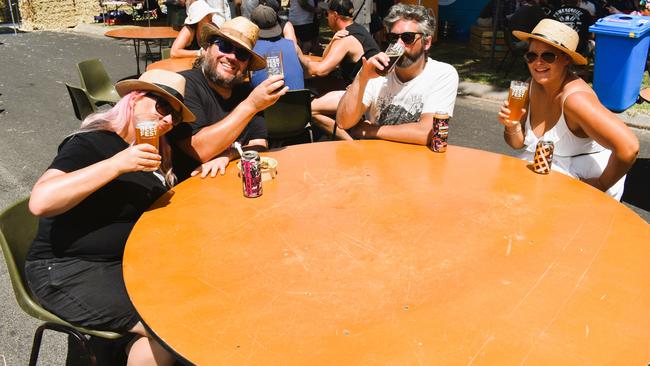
column 37, row 115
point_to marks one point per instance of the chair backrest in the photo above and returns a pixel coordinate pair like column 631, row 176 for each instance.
column 94, row 77
column 80, row 102
column 289, row 116
column 17, row 230
column 165, row 53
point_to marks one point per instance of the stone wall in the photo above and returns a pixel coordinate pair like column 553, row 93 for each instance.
column 57, row 14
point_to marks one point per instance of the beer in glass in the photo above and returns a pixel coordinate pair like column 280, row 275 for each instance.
column 517, row 99
column 146, row 129
column 394, row 53
column 274, row 63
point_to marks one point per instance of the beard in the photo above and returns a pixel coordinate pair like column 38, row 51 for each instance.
column 209, row 67
column 409, row 59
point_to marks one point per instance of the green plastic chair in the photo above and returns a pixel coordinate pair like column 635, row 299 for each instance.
column 95, row 80
column 17, row 230
column 80, row 102
column 289, row 118
column 165, row 53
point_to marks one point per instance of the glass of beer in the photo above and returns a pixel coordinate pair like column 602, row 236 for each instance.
column 146, row 129
column 274, row 63
column 394, row 53
column 517, row 99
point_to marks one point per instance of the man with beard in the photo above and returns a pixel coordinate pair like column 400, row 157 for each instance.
column 401, row 105
column 226, row 109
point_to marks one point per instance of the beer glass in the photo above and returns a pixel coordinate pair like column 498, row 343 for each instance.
column 274, row 63
column 146, row 129
column 394, row 53
column 517, row 98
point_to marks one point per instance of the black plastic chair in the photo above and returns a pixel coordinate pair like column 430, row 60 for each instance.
column 81, row 102
column 17, row 230
column 289, row 118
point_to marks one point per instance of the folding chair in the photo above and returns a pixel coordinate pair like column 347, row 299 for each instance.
column 288, row 120
column 17, row 230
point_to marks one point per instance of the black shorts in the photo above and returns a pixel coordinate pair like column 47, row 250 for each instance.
column 305, row 32
column 84, row 293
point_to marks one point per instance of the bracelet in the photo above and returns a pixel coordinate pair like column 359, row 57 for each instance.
column 517, row 130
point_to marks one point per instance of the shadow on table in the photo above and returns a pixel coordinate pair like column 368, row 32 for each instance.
column 637, row 189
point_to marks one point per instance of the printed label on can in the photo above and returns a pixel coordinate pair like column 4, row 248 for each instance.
column 439, row 133
column 251, row 174
column 543, row 157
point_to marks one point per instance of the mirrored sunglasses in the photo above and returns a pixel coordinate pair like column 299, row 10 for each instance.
column 163, row 108
column 227, row 47
column 548, row 57
column 407, row 37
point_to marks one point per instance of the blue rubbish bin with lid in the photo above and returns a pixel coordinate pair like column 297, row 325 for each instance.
column 621, row 52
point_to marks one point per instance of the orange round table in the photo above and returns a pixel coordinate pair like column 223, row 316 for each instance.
column 146, row 34
column 373, row 252
column 173, row 64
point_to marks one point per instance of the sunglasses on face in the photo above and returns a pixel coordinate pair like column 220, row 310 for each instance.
column 407, row 37
column 163, row 108
column 548, row 57
column 227, row 47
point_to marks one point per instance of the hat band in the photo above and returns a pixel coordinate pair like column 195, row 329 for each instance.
column 551, row 40
column 171, row 91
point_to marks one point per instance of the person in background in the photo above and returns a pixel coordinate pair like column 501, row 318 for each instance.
column 351, row 43
column 176, row 13
column 590, row 142
column 226, row 108
column 89, row 199
column 303, row 15
column 579, row 20
column 288, row 31
column 400, row 106
column 187, row 42
column 270, row 39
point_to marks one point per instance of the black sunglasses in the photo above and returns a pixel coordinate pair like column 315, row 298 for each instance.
column 227, row 47
column 407, row 37
column 164, row 108
column 548, row 57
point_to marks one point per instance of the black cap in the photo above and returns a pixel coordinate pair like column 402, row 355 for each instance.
column 266, row 18
column 344, row 8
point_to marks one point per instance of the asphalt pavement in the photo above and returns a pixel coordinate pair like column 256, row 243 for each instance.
column 36, row 114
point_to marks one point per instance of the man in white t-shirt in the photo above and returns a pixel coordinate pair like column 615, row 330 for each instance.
column 401, row 105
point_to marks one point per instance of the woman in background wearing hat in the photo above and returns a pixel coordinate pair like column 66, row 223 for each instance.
column 187, row 43
column 88, row 201
column 591, row 143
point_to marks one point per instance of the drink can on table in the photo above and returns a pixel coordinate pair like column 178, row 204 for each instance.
column 251, row 174
column 543, row 157
column 439, row 132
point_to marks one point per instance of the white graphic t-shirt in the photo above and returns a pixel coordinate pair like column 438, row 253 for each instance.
column 391, row 102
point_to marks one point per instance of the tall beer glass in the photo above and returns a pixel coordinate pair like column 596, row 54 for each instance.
column 394, row 53
column 517, row 99
column 274, row 63
column 146, row 129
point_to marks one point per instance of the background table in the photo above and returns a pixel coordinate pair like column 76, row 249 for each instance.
column 372, row 252
column 146, row 34
column 174, row 64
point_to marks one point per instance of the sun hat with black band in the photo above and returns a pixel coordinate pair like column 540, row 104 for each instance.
column 344, row 8
column 557, row 35
column 240, row 31
column 167, row 84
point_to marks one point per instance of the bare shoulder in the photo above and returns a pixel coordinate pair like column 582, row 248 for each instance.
column 576, row 92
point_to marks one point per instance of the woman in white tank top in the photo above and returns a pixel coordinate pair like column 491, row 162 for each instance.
column 591, row 143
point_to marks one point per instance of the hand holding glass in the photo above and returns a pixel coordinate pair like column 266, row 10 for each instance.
column 146, row 129
column 517, row 99
column 274, row 63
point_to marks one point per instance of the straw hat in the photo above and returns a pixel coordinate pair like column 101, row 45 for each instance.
column 167, row 84
column 557, row 35
column 239, row 31
column 197, row 11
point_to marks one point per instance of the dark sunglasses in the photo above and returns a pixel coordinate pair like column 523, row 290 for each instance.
column 407, row 37
column 226, row 47
column 548, row 57
column 164, row 108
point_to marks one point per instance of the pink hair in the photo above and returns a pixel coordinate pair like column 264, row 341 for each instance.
column 118, row 118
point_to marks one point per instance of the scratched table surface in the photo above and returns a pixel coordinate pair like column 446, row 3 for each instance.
column 374, row 253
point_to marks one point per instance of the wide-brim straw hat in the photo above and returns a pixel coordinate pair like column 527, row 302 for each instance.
column 240, row 31
column 557, row 35
column 167, row 84
column 197, row 11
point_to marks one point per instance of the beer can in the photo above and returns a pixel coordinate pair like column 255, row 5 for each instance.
column 439, row 132
column 543, row 157
column 251, row 174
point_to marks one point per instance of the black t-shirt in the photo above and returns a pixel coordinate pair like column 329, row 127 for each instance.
column 96, row 228
column 349, row 69
column 209, row 108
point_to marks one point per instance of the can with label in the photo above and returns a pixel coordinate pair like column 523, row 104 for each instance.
column 543, row 157
column 439, row 132
column 251, row 174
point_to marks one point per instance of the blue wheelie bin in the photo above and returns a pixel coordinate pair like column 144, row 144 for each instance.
column 621, row 52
